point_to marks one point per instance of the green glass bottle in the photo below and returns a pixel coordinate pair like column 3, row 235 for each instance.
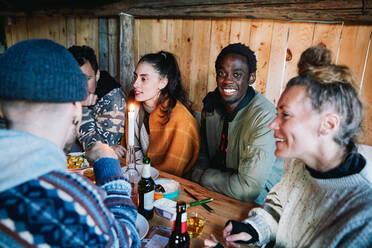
column 146, row 189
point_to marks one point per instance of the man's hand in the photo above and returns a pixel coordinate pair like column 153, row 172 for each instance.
column 90, row 100
column 119, row 150
column 231, row 238
column 99, row 150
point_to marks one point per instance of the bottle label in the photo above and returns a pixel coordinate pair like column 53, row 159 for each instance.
column 146, row 171
column 184, row 223
column 148, row 200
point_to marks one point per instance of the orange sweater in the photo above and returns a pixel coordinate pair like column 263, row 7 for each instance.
column 173, row 147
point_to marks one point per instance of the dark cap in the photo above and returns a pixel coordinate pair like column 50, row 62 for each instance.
column 41, row 70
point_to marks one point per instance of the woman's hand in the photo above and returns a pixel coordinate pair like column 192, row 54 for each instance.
column 119, row 150
column 211, row 242
column 231, row 238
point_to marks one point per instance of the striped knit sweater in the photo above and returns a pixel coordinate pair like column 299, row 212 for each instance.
column 41, row 205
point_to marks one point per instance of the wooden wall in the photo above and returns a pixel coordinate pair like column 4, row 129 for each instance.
column 197, row 42
column 102, row 34
column 278, row 46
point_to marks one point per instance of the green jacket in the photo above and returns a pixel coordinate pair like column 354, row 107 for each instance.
column 252, row 166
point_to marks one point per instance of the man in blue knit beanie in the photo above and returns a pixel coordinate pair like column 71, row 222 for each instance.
column 41, row 89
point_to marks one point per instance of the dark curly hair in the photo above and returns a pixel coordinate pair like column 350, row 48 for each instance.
column 240, row 49
column 82, row 54
column 166, row 65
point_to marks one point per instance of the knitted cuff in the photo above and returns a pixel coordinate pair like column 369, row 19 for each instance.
column 106, row 168
column 238, row 227
column 218, row 245
column 264, row 223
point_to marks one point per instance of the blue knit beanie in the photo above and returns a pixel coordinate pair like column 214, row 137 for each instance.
column 42, row 71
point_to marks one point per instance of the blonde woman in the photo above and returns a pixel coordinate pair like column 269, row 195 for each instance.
column 325, row 196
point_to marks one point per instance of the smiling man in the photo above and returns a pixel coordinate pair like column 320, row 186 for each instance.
column 237, row 148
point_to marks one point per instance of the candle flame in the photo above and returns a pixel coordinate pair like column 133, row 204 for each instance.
column 131, row 108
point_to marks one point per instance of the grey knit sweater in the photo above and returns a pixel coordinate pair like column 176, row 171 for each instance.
column 302, row 211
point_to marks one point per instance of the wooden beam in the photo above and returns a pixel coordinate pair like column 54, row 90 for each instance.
column 348, row 11
column 126, row 51
column 326, row 10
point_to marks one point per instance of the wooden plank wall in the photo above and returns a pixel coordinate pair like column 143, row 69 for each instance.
column 197, row 42
column 278, row 46
column 102, row 34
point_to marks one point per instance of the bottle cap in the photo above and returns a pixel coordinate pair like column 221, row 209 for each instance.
column 146, row 160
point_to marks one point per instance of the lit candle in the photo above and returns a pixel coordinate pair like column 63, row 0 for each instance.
column 131, row 125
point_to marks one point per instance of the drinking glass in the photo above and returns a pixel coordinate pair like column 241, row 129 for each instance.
column 195, row 224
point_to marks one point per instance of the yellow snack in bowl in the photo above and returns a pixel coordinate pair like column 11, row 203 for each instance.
column 76, row 162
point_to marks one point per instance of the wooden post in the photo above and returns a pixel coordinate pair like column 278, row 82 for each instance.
column 2, row 35
column 70, row 32
column 113, row 47
column 126, row 51
column 103, row 46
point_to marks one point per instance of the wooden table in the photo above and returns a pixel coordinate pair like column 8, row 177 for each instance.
column 224, row 207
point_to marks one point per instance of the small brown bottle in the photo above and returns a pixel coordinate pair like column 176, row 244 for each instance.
column 179, row 237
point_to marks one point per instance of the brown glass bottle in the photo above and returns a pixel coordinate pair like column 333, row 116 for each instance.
column 146, row 190
column 179, row 237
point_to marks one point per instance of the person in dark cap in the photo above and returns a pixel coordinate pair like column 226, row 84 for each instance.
column 237, row 147
column 41, row 89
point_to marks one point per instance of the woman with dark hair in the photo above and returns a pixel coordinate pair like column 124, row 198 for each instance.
column 325, row 196
column 166, row 130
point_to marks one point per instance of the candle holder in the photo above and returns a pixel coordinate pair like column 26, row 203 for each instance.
column 131, row 157
column 131, row 173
